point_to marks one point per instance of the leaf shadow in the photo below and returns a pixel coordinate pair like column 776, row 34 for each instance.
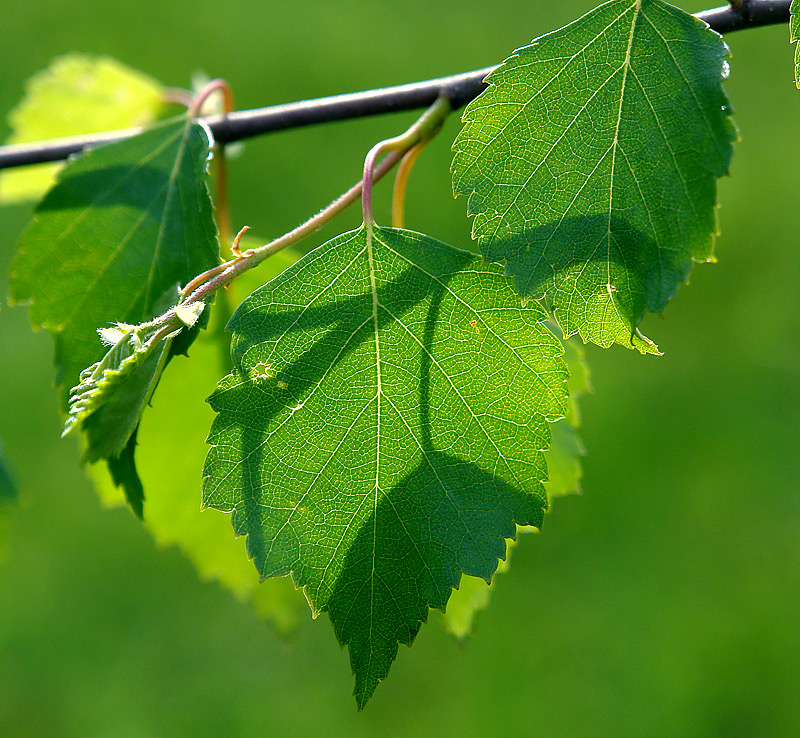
column 591, row 254
column 113, row 185
column 446, row 517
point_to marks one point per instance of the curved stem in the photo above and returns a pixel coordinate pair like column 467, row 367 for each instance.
column 222, row 274
column 401, row 183
column 423, row 129
column 178, row 96
column 215, row 85
column 205, row 285
column 219, row 164
column 222, row 212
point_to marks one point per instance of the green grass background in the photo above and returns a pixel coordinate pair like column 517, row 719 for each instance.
column 663, row 602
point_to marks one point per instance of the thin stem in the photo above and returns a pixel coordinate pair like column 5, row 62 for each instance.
column 222, row 208
column 423, row 129
column 206, row 284
column 401, row 183
column 178, row 96
column 222, row 212
column 204, row 277
column 215, row 85
column 460, row 88
column 220, row 275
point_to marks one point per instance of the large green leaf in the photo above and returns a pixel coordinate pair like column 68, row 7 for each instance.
column 179, row 418
column 76, row 94
column 591, row 163
column 382, row 431
column 124, row 224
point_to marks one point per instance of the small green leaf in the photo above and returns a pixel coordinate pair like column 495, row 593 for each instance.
column 124, row 475
column 382, row 431
column 128, row 371
column 76, row 94
column 591, row 161
column 125, row 223
column 564, row 456
column 179, row 419
column 189, row 314
column 794, row 37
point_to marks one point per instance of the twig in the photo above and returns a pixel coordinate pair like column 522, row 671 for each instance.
column 459, row 88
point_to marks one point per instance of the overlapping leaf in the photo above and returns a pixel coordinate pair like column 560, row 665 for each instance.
column 590, row 164
column 472, row 596
column 169, row 459
column 564, row 478
column 76, row 94
column 564, row 470
column 125, row 223
column 382, row 431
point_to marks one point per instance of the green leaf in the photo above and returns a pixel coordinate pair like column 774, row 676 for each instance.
column 591, row 163
column 794, row 37
column 113, row 393
column 382, row 431
column 125, row 223
column 117, row 388
column 179, row 419
column 564, row 456
column 76, row 94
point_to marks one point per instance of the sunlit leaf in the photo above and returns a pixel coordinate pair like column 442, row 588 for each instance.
column 382, row 431
column 564, row 456
column 591, row 161
column 76, row 94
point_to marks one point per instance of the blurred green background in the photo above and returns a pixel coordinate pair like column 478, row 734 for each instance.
column 663, row 602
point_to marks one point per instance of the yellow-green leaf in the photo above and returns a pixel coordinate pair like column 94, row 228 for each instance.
column 76, row 94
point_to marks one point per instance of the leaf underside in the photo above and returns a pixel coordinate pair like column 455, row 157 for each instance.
column 591, row 161
column 382, row 431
